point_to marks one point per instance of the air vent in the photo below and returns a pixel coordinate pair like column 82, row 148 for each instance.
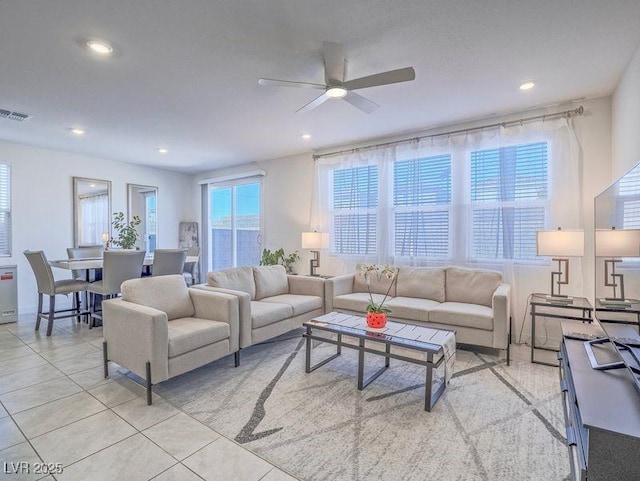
column 17, row 116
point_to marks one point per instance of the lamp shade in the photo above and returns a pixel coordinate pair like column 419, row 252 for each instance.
column 561, row 243
column 315, row 240
column 618, row 243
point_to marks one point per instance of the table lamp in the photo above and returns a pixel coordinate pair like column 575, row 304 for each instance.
column 315, row 241
column 615, row 243
column 105, row 240
column 560, row 244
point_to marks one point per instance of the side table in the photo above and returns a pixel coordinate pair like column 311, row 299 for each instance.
column 579, row 310
column 630, row 311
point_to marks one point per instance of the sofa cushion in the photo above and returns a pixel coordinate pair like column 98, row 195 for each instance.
column 421, row 282
column 265, row 313
column 463, row 315
column 357, row 301
column 411, row 308
column 378, row 286
column 270, row 281
column 300, row 304
column 237, row 278
column 471, row 286
column 168, row 294
column 190, row 333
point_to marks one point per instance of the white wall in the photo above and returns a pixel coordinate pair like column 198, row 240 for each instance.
column 289, row 182
column 625, row 125
column 42, row 203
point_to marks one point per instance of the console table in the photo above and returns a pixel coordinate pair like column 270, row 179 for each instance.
column 579, row 310
column 601, row 408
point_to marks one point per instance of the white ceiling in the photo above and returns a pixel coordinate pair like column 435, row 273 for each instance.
column 185, row 74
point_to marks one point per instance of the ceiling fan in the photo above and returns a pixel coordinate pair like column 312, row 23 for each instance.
column 335, row 86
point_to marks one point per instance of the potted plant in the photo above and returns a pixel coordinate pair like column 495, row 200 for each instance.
column 127, row 235
column 272, row 258
column 377, row 312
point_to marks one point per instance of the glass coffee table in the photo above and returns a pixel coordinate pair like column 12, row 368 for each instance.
column 433, row 348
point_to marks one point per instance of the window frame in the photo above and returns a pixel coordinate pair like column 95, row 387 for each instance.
column 7, row 249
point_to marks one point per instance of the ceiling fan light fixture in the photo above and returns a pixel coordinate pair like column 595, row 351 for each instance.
column 336, row 92
column 99, row 47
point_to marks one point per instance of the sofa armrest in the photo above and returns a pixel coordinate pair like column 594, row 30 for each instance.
column 136, row 334
column 306, row 285
column 501, row 305
column 221, row 307
column 244, row 310
column 337, row 286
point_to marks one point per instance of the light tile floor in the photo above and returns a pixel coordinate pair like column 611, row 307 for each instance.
column 56, row 407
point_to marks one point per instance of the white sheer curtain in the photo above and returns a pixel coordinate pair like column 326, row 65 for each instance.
column 94, row 219
column 433, row 207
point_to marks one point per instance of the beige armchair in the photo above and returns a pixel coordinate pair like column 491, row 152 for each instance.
column 160, row 329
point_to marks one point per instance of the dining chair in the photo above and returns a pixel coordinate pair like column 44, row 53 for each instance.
column 49, row 286
column 84, row 252
column 189, row 267
column 168, row 262
column 117, row 267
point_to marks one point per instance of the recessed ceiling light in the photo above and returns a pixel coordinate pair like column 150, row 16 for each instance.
column 75, row 131
column 306, row 136
column 162, row 150
column 527, row 86
column 336, row 92
column 100, row 47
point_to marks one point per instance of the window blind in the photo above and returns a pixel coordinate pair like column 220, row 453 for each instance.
column 5, row 210
column 355, row 200
column 422, row 198
column 509, row 189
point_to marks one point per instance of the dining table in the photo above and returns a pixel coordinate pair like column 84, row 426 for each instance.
column 96, row 263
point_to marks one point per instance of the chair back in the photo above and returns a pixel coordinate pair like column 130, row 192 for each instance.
column 119, row 266
column 168, row 261
column 42, row 271
column 83, row 252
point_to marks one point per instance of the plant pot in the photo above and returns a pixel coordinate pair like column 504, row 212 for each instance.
column 376, row 320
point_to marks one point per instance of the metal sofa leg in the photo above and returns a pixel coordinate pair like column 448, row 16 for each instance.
column 509, row 344
column 148, row 382
column 105, row 358
column 237, row 358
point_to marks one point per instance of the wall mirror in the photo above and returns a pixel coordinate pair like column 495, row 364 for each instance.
column 617, row 238
column 143, row 201
column 91, row 211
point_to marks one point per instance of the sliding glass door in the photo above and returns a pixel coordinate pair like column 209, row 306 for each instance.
column 235, row 225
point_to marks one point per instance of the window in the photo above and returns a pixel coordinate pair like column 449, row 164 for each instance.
column 354, row 213
column 5, row 210
column 509, row 192
column 235, row 225
column 422, row 200
column 628, row 207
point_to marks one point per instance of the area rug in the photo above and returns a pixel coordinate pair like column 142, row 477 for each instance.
column 493, row 422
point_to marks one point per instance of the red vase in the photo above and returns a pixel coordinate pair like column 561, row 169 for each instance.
column 376, row 320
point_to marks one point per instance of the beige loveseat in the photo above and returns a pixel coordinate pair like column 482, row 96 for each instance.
column 270, row 301
column 160, row 328
column 473, row 302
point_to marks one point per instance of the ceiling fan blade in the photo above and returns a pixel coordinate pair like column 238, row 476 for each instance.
column 384, row 78
column 360, row 102
column 288, row 83
column 314, row 103
column 333, row 63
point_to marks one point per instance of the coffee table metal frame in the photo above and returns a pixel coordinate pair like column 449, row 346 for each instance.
column 430, row 350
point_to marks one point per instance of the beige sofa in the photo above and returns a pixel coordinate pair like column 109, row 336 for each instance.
column 160, row 328
column 270, row 301
column 473, row 302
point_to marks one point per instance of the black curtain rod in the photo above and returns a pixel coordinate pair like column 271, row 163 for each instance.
column 564, row 113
